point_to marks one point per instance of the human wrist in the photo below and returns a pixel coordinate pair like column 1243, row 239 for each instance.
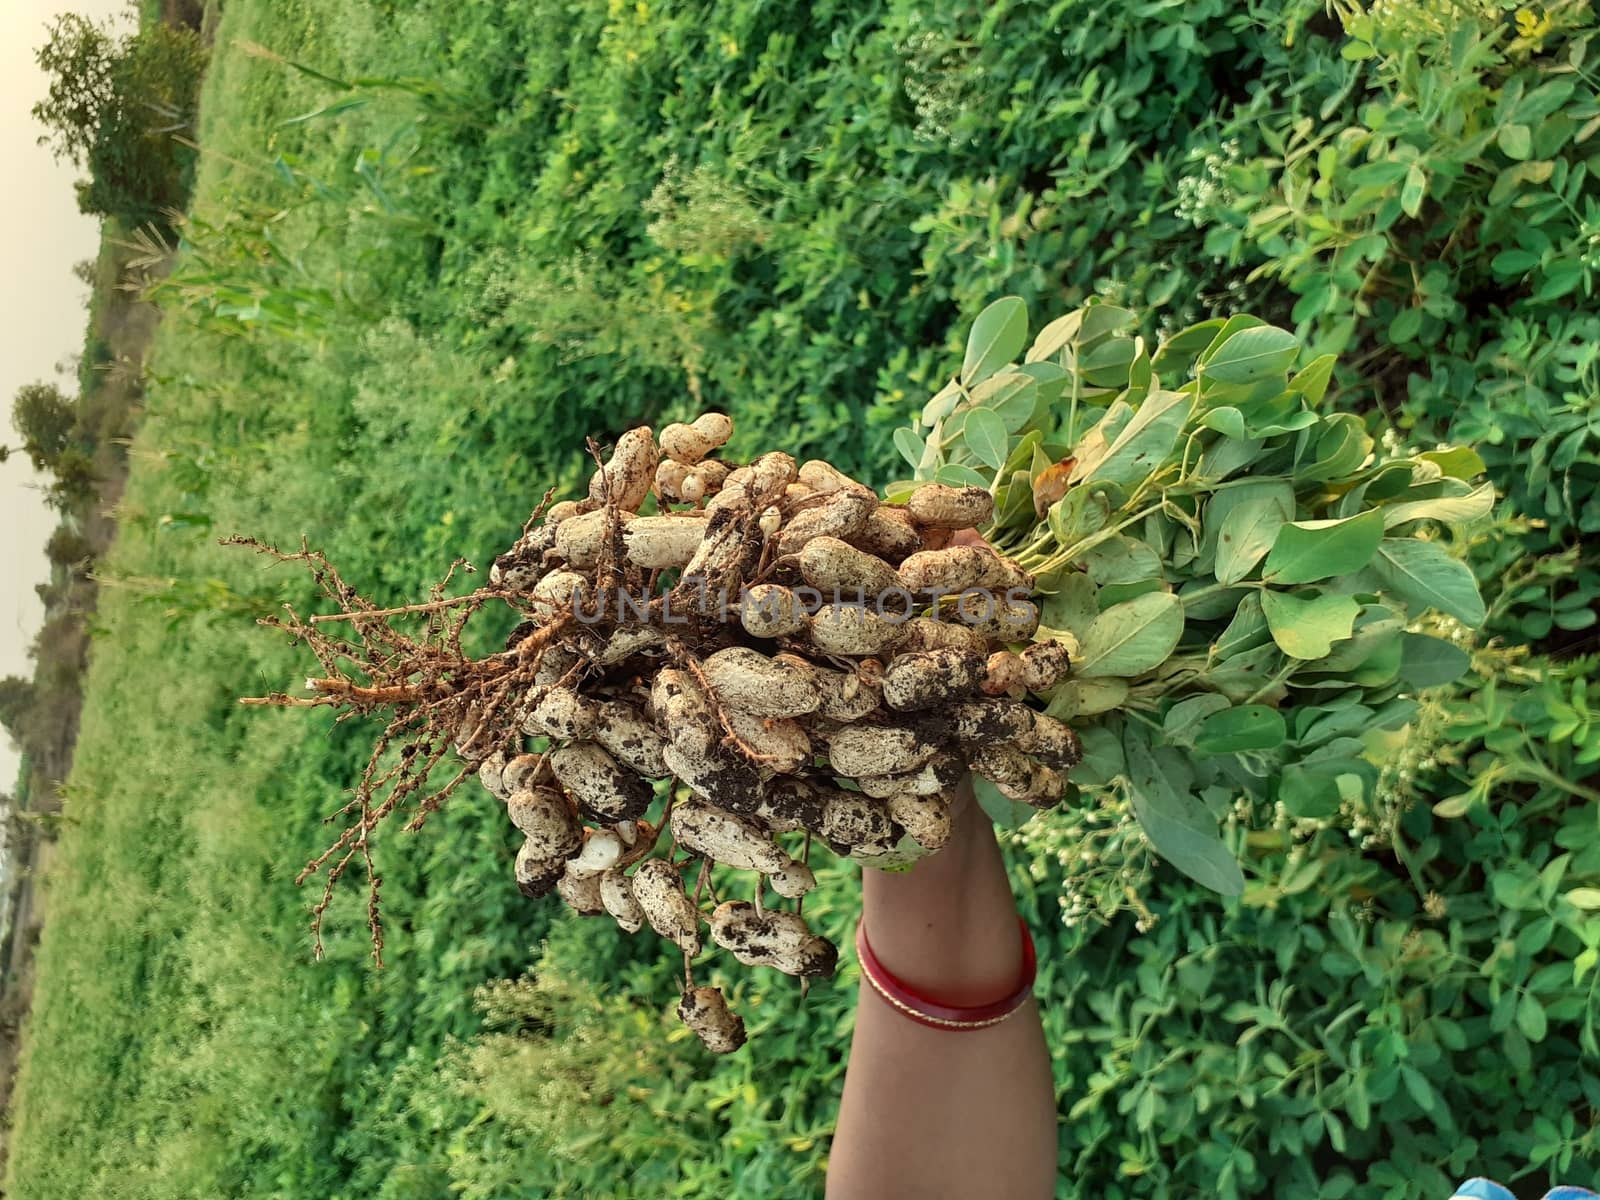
column 948, row 926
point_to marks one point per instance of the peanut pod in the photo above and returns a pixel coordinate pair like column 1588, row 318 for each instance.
column 626, row 478
column 706, row 1013
column 780, row 940
column 601, row 787
column 659, row 891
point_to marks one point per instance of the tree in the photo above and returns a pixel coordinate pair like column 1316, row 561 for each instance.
column 68, row 547
column 75, row 479
column 16, row 698
column 46, row 420
column 116, row 106
column 80, row 59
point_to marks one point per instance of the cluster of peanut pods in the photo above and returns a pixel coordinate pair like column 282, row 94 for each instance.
column 765, row 657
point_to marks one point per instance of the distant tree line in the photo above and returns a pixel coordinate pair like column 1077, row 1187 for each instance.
column 123, row 108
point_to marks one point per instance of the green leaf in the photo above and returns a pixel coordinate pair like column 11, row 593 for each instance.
column 1103, row 759
column 1011, row 395
column 1406, row 325
column 1414, row 191
column 1479, row 502
column 985, row 436
column 1071, row 607
column 1246, row 631
column 1002, row 810
column 1146, row 441
column 1132, row 638
column 1226, row 420
column 1357, row 1103
column 1241, row 675
column 1083, row 511
column 1586, row 898
column 1428, row 662
column 348, row 104
column 1184, row 718
column 997, row 337
column 1250, row 529
column 1419, row 1089
column 959, row 475
column 1055, row 336
column 1310, row 792
column 1311, row 380
column 1424, row 573
column 1306, row 551
column 1178, row 824
column 1049, row 380
column 1458, row 462
column 1530, row 1018
column 1086, row 697
column 1342, row 445
column 1111, row 364
column 1175, row 356
column 1308, row 628
column 1516, row 141
column 1248, row 727
column 911, row 447
column 1251, row 355
column 1121, row 560
column 1095, row 444
column 943, row 403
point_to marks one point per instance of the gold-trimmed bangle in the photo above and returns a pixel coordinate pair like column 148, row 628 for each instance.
column 936, row 1015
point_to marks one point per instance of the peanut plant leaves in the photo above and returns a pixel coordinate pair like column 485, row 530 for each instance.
column 1248, row 727
column 1424, row 574
column 1133, row 637
column 1146, row 441
column 997, row 337
column 1211, row 538
column 1427, row 662
column 1122, row 559
column 986, row 437
column 911, row 447
column 1249, row 530
column 1308, row 628
column 1311, row 381
column 1011, row 395
column 1178, row 824
column 1451, row 509
column 1458, row 462
column 999, row 808
column 943, row 403
column 960, row 475
column 1183, row 719
column 1252, row 354
column 1055, row 337
column 1306, row 551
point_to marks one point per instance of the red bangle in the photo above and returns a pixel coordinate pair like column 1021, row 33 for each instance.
column 930, row 1012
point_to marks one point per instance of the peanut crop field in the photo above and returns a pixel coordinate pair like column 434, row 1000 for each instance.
column 432, row 247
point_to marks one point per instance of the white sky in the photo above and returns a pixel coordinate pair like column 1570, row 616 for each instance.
column 44, row 314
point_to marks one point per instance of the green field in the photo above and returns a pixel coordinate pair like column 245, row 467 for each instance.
column 400, row 306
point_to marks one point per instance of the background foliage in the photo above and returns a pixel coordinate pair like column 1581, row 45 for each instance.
column 413, row 279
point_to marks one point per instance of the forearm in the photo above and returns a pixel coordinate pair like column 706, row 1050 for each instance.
column 926, row 1112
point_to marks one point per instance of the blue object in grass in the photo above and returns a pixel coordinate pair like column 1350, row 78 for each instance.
column 1484, row 1189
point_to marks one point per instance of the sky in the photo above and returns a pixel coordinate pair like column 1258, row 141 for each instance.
column 42, row 321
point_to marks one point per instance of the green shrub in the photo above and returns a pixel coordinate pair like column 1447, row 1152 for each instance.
column 1402, row 998
column 1429, row 198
